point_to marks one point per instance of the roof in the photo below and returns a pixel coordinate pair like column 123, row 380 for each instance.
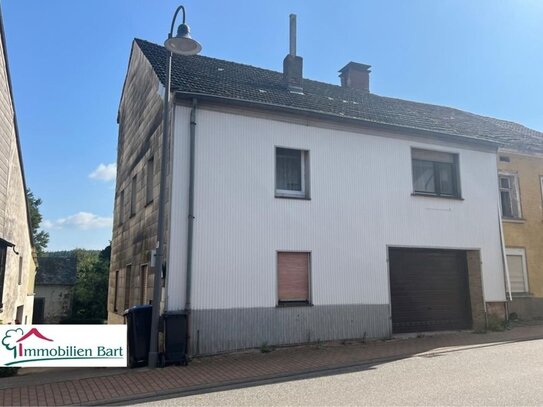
column 56, row 271
column 224, row 79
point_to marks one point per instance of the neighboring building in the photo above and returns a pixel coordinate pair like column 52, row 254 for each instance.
column 321, row 212
column 521, row 190
column 17, row 261
column 55, row 281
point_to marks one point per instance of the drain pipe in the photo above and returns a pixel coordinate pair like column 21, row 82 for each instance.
column 190, row 228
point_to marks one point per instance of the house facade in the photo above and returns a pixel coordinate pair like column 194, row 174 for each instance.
column 17, row 261
column 321, row 212
column 521, row 192
column 55, row 281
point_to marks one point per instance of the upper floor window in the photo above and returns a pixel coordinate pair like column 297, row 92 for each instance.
column 435, row 173
column 133, row 195
column 150, row 180
column 509, row 195
column 291, row 173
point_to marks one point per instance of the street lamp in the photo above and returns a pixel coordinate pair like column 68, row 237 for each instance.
column 181, row 44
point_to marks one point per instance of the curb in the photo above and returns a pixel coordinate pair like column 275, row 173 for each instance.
column 283, row 377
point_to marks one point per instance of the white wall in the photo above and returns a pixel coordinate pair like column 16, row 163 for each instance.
column 360, row 203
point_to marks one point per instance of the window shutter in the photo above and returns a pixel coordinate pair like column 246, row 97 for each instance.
column 516, row 273
column 293, row 276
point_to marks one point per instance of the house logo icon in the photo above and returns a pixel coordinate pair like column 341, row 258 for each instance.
column 14, row 340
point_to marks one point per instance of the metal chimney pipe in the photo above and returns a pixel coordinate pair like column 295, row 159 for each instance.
column 292, row 35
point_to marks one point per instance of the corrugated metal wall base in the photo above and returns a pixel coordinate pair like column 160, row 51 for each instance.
column 222, row 330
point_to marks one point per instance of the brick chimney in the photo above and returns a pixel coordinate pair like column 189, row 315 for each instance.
column 293, row 64
column 355, row 76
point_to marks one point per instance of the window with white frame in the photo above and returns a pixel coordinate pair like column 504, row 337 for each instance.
column 291, row 173
column 518, row 275
column 509, row 195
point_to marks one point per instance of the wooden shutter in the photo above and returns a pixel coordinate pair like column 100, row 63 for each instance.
column 515, row 264
column 293, row 276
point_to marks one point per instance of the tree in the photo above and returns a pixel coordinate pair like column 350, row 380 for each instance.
column 90, row 292
column 41, row 238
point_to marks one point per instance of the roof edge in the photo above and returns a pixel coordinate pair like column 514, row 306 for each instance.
column 181, row 95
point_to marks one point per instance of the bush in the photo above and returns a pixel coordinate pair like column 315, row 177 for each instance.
column 8, row 371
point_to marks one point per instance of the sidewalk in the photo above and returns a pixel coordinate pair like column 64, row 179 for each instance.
column 123, row 386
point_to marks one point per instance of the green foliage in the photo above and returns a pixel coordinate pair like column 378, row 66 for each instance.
column 8, row 371
column 90, row 291
column 264, row 348
column 494, row 323
column 41, row 238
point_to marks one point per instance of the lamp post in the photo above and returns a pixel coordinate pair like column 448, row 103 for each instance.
column 181, row 44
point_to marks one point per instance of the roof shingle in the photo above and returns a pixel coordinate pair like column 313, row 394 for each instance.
column 210, row 76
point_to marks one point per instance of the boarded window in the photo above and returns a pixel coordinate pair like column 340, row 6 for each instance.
column 150, row 178
column 516, row 264
column 121, row 208
column 134, row 195
column 293, row 277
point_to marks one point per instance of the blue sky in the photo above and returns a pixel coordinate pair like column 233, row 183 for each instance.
column 68, row 60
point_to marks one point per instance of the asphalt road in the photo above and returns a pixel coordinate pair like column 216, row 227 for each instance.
column 496, row 375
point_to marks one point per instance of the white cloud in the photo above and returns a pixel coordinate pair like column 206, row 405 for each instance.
column 81, row 220
column 104, row 172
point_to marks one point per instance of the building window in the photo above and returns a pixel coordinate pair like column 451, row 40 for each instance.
column 541, row 182
column 293, row 277
column 3, row 254
column 518, row 276
column 127, row 285
column 150, row 178
column 121, row 208
column 144, row 275
column 509, row 195
column 435, row 173
column 116, row 292
column 291, row 173
column 133, row 195
column 20, row 277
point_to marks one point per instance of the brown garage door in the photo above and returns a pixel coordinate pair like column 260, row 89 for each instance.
column 429, row 290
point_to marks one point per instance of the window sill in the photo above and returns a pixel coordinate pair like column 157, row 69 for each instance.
column 289, row 304
column 454, row 198
column 521, row 295
column 148, row 203
column 300, row 198
column 514, row 220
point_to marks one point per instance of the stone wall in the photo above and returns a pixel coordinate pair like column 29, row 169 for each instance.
column 134, row 235
column 13, row 210
column 58, row 302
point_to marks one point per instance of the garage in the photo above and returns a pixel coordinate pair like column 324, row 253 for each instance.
column 429, row 290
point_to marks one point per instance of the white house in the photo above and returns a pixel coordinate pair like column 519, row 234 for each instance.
column 321, row 212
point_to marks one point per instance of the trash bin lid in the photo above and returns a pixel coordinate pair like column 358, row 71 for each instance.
column 137, row 309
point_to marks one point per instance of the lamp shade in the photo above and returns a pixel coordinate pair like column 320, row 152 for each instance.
column 182, row 43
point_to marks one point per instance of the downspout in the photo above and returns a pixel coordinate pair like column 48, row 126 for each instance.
column 504, row 255
column 190, row 228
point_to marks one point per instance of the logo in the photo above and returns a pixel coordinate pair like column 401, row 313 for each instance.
column 63, row 345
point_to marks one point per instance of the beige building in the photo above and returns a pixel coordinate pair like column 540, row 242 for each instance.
column 521, row 191
column 17, row 261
